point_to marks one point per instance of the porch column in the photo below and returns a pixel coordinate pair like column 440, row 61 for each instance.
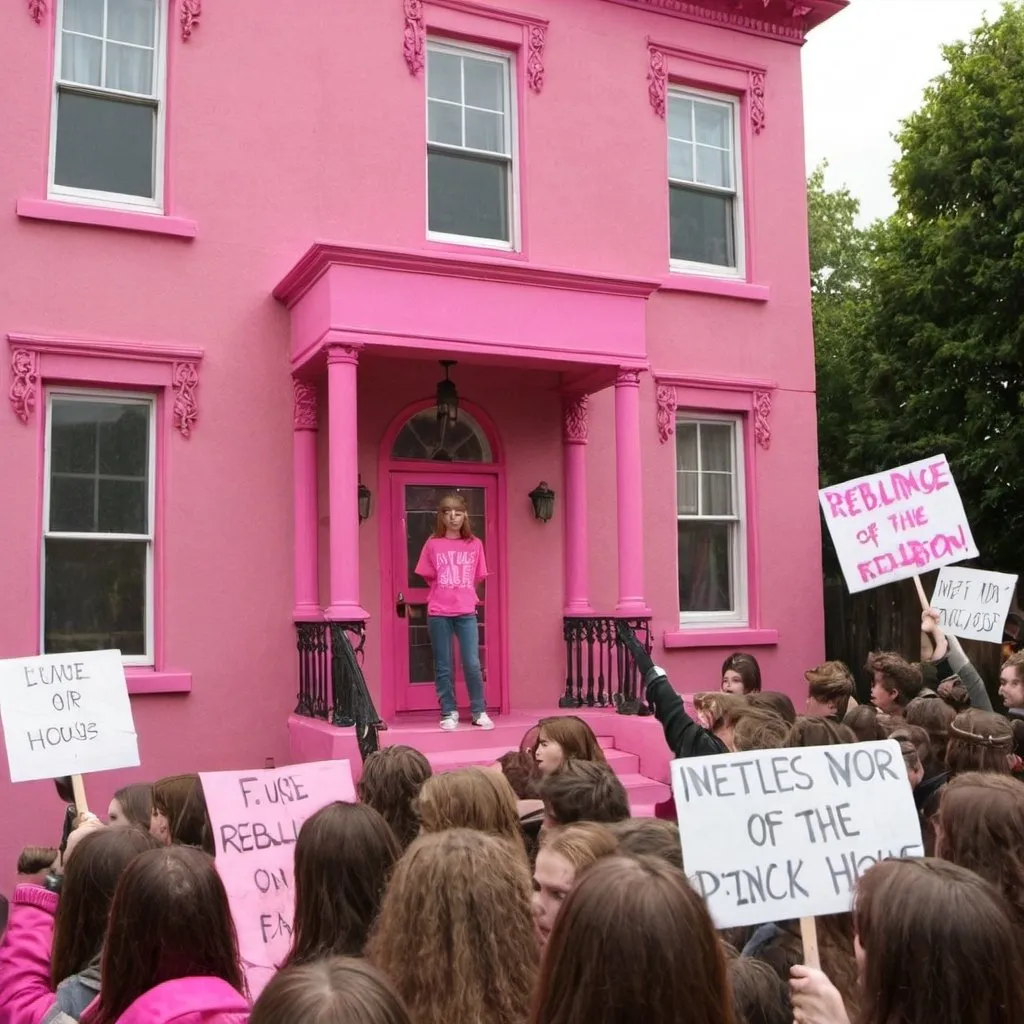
column 628, row 486
column 304, row 486
column 343, row 462
column 574, row 450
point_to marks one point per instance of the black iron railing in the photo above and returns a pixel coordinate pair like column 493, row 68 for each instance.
column 331, row 682
column 599, row 670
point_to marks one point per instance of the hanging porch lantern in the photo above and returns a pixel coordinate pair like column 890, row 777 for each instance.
column 543, row 499
column 447, row 400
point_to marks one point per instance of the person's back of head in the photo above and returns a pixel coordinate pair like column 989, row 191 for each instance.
column 775, row 701
column 864, row 721
column 520, row 771
column 343, row 859
column 633, row 941
column 469, row 798
column 169, row 920
column 979, row 741
column 818, row 732
column 390, row 783
column 830, row 689
column 759, row 995
column 336, row 990
column 939, row 946
column 757, row 728
column 649, row 837
column 583, row 791
column 935, row 717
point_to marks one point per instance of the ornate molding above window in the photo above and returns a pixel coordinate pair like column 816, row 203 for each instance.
column 304, row 405
column 414, row 37
column 173, row 367
column 760, row 392
column 575, row 427
column 37, row 10
column 191, row 12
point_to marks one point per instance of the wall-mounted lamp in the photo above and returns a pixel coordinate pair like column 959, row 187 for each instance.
column 365, row 501
column 447, row 400
column 543, row 499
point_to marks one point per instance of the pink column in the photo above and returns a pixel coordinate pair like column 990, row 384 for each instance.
column 304, row 484
column 343, row 460
column 574, row 449
column 628, row 486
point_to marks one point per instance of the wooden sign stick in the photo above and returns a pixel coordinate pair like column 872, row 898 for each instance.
column 809, row 936
column 921, row 595
column 78, row 786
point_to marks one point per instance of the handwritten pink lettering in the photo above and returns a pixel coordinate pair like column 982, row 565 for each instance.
column 912, row 553
column 887, row 490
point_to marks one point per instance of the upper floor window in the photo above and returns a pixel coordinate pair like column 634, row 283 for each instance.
column 709, row 511
column 98, row 525
column 107, row 126
column 705, row 197
column 470, row 131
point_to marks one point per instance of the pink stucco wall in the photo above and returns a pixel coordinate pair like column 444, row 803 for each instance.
column 285, row 128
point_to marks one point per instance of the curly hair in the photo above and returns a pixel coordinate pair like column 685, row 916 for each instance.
column 391, row 781
column 899, row 676
column 455, row 932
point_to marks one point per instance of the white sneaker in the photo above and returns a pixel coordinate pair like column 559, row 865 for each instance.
column 483, row 720
column 450, row 721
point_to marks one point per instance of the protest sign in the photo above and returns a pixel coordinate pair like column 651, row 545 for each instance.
column 66, row 714
column 894, row 525
column 256, row 817
column 973, row 604
column 770, row 835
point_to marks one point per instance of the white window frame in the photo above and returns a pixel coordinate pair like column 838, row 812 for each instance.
column 508, row 60
column 129, row 398
column 738, row 614
column 739, row 227
column 95, row 197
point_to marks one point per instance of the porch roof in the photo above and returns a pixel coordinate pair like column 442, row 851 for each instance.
column 492, row 308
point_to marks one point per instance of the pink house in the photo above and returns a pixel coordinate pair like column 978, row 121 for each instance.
column 278, row 279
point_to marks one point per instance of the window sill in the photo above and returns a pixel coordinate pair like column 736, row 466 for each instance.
column 105, row 217
column 724, row 286
column 735, row 636
column 475, row 246
column 147, row 680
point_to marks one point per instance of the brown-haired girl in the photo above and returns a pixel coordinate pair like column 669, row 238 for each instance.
column 866, row 723
column 179, row 813
column 934, row 945
column 818, row 732
column 452, row 562
column 50, row 954
column 469, row 798
column 131, row 805
column 170, row 945
column 643, row 913
column 564, row 737
column 741, row 674
column 455, row 932
column 563, row 854
column 338, row 990
column 343, row 859
column 392, row 779
column 979, row 741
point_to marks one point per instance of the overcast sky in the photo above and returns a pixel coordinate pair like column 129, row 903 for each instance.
column 864, row 71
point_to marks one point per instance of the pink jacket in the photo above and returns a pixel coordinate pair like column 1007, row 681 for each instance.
column 189, row 1001
column 25, row 993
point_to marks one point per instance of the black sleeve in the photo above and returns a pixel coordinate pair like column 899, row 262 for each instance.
column 683, row 735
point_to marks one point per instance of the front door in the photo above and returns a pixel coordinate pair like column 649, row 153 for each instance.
column 415, row 497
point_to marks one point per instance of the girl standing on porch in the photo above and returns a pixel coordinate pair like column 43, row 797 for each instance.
column 452, row 562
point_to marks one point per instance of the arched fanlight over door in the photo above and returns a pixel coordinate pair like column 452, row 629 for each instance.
column 423, row 438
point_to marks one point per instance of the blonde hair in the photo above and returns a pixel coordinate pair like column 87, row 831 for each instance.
column 574, row 736
column 581, row 844
column 455, row 932
column 453, row 500
column 469, row 798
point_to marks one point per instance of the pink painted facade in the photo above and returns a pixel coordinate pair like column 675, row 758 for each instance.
column 278, row 305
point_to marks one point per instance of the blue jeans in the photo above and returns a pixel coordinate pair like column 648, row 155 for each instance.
column 442, row 628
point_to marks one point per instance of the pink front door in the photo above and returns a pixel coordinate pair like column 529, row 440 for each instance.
column 414, row 500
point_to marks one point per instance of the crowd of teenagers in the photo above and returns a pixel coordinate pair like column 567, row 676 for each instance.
column 524, row 892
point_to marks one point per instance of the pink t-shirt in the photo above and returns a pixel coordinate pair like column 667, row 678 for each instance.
column 452, row 568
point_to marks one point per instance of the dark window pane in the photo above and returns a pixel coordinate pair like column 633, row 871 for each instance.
column 705, row 567
column 72, row 504
column 702, row 227
column 421, row 438
column 122, row 507
column 105, row 144
column 95, row 596
column 468, row 196
column 421, row 654
column 124, row 439
column 72, row 437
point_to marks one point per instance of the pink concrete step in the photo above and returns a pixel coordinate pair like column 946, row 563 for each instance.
column 621, row 761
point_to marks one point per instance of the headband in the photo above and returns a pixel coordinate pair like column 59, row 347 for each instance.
column 979, row 740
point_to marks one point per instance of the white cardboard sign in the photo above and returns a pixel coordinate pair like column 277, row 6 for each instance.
column 973, row 604
column 66, row 714
column 897, row 524
column 770, row 835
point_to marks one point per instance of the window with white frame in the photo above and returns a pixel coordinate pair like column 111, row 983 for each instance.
column 107, row 130
column 705, row 211
column 470, row 137
column 98, row 524
column 710, row 511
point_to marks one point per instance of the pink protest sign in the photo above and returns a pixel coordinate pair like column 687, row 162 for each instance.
column 897, row 524
column 256, row 818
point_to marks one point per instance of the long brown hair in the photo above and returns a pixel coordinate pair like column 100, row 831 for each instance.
column 981, row 827
column 935, row 717
column 469, row 798
column 391, row 781
column 343, row 859
column 939, row 947
column 181, row 800
column 137, row 803
column 338, row 990
column 573, row 735
column 453, row 500
column 170, row 919
column 979, row 741
column 90, row 878
column 455, row 932
column 643, row 913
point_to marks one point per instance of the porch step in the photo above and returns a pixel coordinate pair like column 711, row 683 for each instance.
column 621, row 761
